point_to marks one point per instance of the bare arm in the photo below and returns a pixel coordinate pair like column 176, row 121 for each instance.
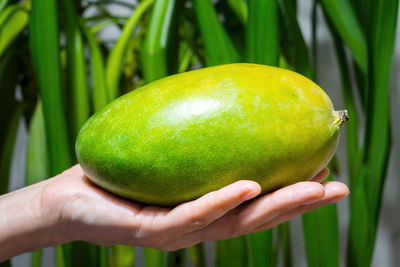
column 23, row 225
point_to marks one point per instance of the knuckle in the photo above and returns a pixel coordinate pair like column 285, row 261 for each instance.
column 196, row 220
column 198, row 224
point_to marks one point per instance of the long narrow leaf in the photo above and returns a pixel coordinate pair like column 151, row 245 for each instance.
column 99, row 84
column 7, row 146
column 197, row 256
column 284, row 235
column 240, row 8
column 294, row 46
column 232, row 252
column 8, row 82
column 219, row 48
column 122, row 256
column 37, row 166
column 321, row 226
column 185, row 58
column 153, row 257
column 350, row 103
column 174, row 258
column 343, row 17
column 8, row 106
column 3, row 4
column 12, row 21
column 314, row 39
column 36, row 161
column 262, row 36
column 153, row 54
column 260, row 250
column 77, row 87
column 116, row 57
column 321, row 236
column 44, row 44
column 373, row 162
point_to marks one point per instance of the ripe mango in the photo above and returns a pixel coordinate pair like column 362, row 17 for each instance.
column 175, row 139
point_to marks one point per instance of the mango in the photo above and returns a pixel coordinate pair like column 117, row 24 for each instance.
column 175, row 139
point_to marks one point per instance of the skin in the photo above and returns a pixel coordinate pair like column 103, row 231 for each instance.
column 68, row 207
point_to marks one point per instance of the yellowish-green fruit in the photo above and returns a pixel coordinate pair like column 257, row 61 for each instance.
column 180, row 137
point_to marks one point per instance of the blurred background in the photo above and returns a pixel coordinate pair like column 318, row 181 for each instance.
column 60, row 61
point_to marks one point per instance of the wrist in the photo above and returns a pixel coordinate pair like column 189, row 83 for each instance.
column 27, row 224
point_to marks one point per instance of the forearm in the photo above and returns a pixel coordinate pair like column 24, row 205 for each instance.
column 23, row 224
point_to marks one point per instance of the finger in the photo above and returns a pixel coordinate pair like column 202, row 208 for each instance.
column 261, row 210
column 279, row 202
column 321, row 175
column 334, row 191
column 201, row 212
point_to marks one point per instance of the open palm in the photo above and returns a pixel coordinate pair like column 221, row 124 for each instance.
column 86, row 212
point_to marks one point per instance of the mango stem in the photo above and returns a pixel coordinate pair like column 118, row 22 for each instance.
column 341, row 117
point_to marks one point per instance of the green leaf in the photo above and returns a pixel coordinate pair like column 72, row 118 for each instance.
column 153, row 55
column 293, row 45
column 262, row 35
column 3, row 4
column 185, row 57
column 8, row 115
column 350, row 103
column 123, row 256
column 116, row 57
column 240, row 9
column 321, row 236
column 153, row 257
column 44, row 43
column 232, row 252
column 77, row 87
column 174, row 258
column 372, row 164
column 84, row 254
column 36, row 258
column 7, row 146
column 343, row 17
column 100, row 25
column 197, row 255
column 219, row 48
column 284, row 238
column 321, row 226
column 36, row 153
column 12, row 21
column 99, row 84
column 260, row 249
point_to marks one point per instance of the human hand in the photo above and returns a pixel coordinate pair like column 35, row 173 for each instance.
column 80, row 210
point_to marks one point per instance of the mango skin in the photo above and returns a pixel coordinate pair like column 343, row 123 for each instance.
column 180, row 137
